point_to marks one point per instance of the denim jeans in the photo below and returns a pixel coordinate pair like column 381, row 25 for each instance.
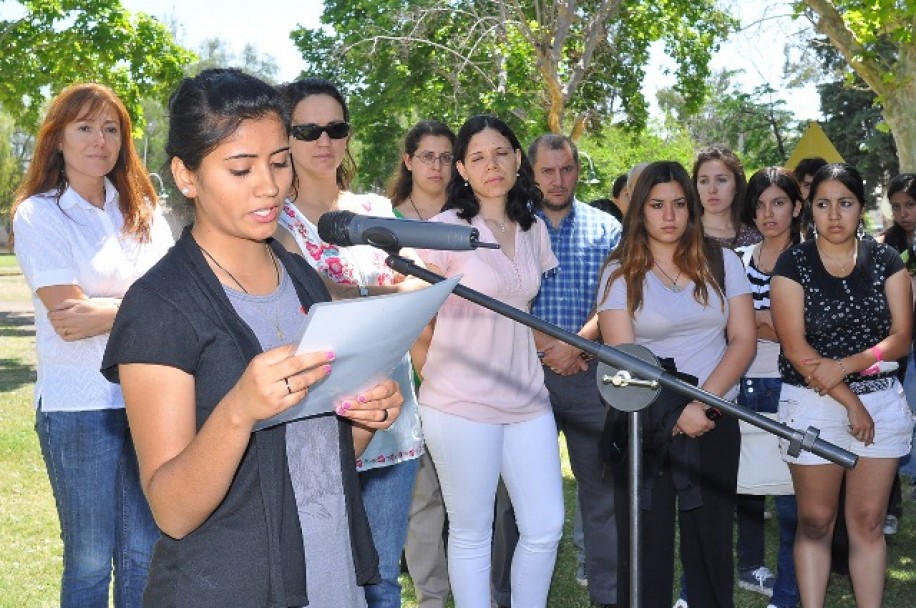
column 908, row 463
column 387, row 492
column 104, row 517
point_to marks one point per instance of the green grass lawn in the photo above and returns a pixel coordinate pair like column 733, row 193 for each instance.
column 30, row 548
column 8, row 261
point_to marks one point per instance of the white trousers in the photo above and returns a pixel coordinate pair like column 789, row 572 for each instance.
column 470, row 457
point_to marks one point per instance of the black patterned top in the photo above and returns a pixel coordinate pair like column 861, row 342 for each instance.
column 747, row 235
column 843, row 316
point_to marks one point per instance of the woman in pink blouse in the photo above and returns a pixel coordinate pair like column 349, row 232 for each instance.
column 485, row 409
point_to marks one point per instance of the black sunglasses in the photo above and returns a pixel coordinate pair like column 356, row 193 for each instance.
column 311, row 132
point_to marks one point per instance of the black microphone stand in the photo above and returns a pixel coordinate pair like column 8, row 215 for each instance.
column 629, row 379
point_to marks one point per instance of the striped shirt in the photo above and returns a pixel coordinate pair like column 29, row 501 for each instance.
column 581, row 242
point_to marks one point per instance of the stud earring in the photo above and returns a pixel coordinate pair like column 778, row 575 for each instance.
column 860, row 231
column 466, row 184
column 186, row 191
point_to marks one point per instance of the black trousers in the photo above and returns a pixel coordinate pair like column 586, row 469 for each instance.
column 706, row 533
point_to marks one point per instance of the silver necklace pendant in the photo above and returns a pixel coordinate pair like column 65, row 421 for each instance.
column 675, row 288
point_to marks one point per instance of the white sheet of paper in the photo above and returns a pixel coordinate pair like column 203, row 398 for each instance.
column 368, row 336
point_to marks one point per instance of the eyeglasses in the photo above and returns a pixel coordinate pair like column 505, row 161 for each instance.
column 311, row 132
column 430, row 158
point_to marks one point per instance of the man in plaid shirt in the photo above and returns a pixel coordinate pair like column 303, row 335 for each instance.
column 581, row 237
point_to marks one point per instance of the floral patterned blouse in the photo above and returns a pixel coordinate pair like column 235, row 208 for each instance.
column 363, row 265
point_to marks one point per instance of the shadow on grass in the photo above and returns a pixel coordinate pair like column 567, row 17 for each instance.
column 19, row 324
column 14, row 374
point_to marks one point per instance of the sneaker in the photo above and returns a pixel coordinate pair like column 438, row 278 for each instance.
column 760, row 580
column 581, row 575
column 680, row 603
column 890, row 525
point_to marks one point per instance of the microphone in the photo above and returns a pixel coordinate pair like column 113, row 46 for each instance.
column 345, row 228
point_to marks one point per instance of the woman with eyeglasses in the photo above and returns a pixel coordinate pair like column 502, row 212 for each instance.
column 323, row 168
column 417, row 191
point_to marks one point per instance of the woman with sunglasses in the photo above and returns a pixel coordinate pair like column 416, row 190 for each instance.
column 323, row 168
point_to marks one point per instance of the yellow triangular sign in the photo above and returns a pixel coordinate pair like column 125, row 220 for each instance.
column 814, row 143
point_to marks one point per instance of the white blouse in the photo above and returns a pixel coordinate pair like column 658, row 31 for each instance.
column 71, row 242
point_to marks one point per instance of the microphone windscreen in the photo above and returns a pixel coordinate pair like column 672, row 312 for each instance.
column 333, row 227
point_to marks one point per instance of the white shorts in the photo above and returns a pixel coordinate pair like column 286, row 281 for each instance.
column 800, row 408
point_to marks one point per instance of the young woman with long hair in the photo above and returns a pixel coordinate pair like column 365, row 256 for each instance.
column 417, row 188
column 840, row 305
column 662, row 264
column 203, row 348
column 86, row 226
column 774, row 203
column 718, row 177
column 417, row 191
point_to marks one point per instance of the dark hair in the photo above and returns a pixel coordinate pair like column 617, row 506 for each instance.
column 207, row 109
column 905, row 182
column 633, row 252
column 759, row 182
column 296, row 91
column 895, row 235
column 608, row 206
column 524, row 196
column 619, row 184
column 733, row 163
column 808, row 166
column 844, row 173
column 552, row 141
column 401, row 183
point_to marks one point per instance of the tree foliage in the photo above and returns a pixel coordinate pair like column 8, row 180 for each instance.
column 561, row 65
column 615, row 150
column 853, row 121
column 59, row 42
column 877, row 38
column 757, row 125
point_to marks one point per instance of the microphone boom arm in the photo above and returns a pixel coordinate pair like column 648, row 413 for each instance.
column 638, row 368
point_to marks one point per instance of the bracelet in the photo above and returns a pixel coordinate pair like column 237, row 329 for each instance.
column 879, row 356
column 843, row 367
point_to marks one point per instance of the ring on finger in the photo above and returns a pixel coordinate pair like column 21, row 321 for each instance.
column 384, row 415
column 288, row 388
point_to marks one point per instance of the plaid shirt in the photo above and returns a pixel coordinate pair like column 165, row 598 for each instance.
column 581, row 242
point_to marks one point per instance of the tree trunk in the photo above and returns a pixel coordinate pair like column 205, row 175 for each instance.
column 899, row 112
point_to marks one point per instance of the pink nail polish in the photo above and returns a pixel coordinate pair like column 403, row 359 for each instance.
column 361, row 399
column 330, row 354
column 327, row 370
column 346, row 405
